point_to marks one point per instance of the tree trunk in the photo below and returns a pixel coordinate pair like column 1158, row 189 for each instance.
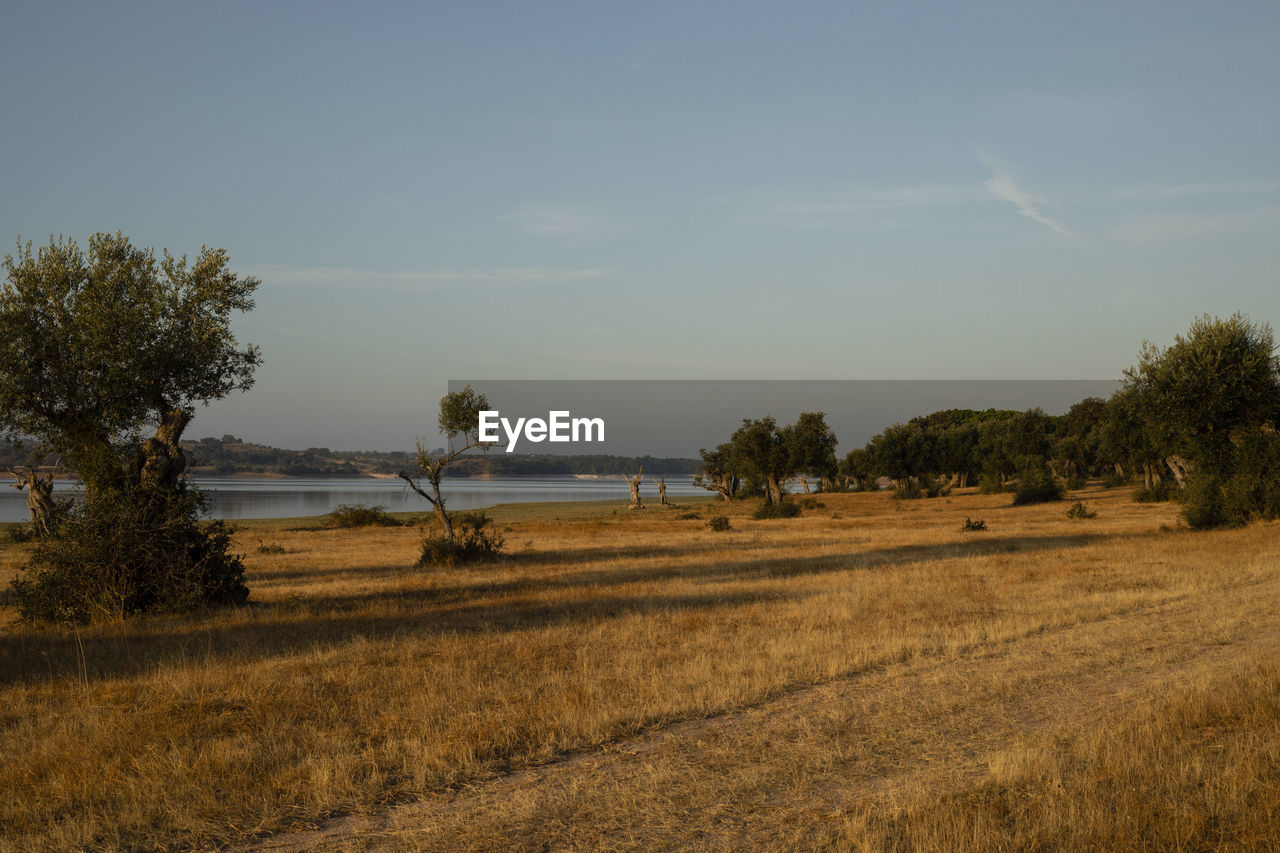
column 1181, row 469
column 39, row 501
column 804, row 481
column 445, row 521
column 634, row 484
column 775, row 490
column 161, row 459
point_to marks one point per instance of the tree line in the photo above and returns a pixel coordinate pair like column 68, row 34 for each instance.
column 1195, row 421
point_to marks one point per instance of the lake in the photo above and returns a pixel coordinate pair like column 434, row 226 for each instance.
column 235, row 498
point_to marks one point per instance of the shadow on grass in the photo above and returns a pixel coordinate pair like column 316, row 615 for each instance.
column 297, row 625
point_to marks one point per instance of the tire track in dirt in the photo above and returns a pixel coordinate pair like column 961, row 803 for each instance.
column 977, row 703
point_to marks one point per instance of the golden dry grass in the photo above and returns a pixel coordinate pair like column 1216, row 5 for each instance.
column 878, row 680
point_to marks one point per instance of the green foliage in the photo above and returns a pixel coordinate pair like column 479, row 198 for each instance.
column 94, row 347
column 1156, row 493
column 812, row 446
column 990, row 484
column 1079, row 511
column 1113, row 479
column 139, row 551
column 474, row 541
column 359, row 515
column 780, row 509
column 972, row 525
column 1221, row 380
column 1036, row 487
column 1249, row 490
column 718, row 523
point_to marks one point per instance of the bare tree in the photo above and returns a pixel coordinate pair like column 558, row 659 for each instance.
column 40, row 503
column 661, row 483
column 634, row 483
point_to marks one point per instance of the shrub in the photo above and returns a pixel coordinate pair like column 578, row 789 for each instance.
column 1158, row 493
column 1036, row 487
column 909, row 490
column 990, row 484
column 20, row 533
column 782, row 509
column 811, row 503
column 1112, row 480
column 127, row 553
column 1253, row 489
column 359, row 515
column 972, row 524
column 1079, row 510
column 718, row 523
column 1204, row 507
column 473, row 542
column 272, row 548
column 1247, row 490
column 685, row 516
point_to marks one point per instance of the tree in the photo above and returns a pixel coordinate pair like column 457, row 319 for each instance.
column 717, row 473
column 1213, row 396
column 812, row 445
column 459, row 421
column 761, row 450
column 97, row 348
column 1220, row 380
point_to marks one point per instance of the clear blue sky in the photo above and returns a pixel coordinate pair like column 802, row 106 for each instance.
column 659, row 190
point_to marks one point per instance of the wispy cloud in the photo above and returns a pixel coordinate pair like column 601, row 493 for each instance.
column 1002, row 185
column 1173, row 192
column 564, row 221
column 1164, row 227
column 416, row 280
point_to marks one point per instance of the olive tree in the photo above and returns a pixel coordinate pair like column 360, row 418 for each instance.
column 97, row 349
column 459, row 422
column 1214, row 396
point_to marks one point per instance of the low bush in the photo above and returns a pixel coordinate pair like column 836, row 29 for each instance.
column 1079, row 510
column 973, row 524
column 782, row 509
column 128, row 553
column 474, row 541
column 718, row 523
column 20, row 533
column 1158, row 493
column 272, row 548
column 811, row 503
column 1113, row 480
column 990, row 484
column 1037, row 487
column 359, row 515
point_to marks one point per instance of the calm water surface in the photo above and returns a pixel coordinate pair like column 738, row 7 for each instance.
column 266, row 498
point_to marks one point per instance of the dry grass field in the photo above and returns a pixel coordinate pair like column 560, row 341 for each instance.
column 866, row 677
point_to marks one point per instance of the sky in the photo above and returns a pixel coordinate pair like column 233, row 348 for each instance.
column 687, row 190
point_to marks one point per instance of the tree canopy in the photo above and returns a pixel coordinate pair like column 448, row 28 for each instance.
column 96, row 346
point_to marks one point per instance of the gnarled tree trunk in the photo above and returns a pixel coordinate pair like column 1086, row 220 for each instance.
column 634, row 483
column 161, row 460
column 40, row 502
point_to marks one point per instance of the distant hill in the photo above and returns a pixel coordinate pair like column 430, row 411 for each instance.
column 229, row 455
